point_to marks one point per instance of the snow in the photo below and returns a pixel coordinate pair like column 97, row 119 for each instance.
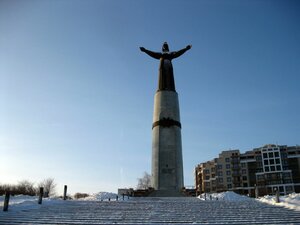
column 25, row 202
column 101, row 196
column 225, row 196
column 291, row 201
column 20, row 199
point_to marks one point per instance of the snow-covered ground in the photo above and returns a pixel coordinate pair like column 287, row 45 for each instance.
column 21, row 202
column 101, row 196
column 291, row 201
column 220, row 208
column 225, row 196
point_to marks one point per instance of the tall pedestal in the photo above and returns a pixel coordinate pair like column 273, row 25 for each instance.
column 167, row 166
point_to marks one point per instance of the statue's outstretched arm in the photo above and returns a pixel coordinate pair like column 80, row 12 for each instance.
column 155, row 55
column 180, row 52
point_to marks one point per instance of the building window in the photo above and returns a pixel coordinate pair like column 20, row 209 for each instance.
column 245, row 185
column 267, row 169
column 266, row 162
column 244, row 171
column 229, row 186
column 244, row 178
column 286, row 175
column 227, row 166
column 220, row 180
column 260, row 177
column 207, row 184
column 213, row 169
column 276, row 154
column 227, row 159
column 271, row 155
column 206, row 177
column 235, row 173
column 219, row 167
column 228, row 179
column 272, row 161
column 278, row 167
column 259, row 170
column 213, row 176
column 243, row 165
column 220, row 174
column 228, row 172
column 289, row 188
column 277, row 161
column 272, row 168
column 265, row 155
column 206, row 171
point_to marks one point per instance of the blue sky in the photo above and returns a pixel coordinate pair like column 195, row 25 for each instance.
column 76, row 94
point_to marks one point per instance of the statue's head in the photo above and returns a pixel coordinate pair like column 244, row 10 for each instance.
column 165, row 47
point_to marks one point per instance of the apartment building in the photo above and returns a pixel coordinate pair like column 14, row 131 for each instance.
column 261, row 171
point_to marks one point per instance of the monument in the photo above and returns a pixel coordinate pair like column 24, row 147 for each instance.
column 167, row 165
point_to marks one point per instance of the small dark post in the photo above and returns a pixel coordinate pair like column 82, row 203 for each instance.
column 117, row 198
column 65, row 192
column 277, row 195
column 123, row 196
column 256, row 191
column 6, row 201
column 41, row 195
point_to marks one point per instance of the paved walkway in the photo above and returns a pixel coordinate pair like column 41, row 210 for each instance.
column 152, row 211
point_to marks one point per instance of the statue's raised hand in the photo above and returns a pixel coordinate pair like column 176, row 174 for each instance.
column 142, row 49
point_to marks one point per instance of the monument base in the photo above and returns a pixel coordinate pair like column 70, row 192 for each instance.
column 166, row 193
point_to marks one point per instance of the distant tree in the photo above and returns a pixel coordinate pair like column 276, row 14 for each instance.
column 4, row 188
column 81, row 195
column 25, row 187
column 49, row 187
column 144, row 182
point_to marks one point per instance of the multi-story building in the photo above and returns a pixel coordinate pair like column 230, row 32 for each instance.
column 260, row 170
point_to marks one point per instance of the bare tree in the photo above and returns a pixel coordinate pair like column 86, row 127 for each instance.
column 25, row 187
column 49, row 187
column 144, row 182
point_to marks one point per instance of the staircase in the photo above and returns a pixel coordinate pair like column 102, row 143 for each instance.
column 152, row 211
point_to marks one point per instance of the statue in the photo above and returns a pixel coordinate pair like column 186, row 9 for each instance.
column 166, row 77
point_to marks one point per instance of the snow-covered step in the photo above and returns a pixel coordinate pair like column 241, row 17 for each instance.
column 152, row 210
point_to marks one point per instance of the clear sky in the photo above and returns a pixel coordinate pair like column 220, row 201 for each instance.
column 76, row 93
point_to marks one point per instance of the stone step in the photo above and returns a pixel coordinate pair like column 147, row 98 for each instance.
column 152, row 211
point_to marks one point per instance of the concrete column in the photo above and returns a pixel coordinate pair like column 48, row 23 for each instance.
column 167, row 165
